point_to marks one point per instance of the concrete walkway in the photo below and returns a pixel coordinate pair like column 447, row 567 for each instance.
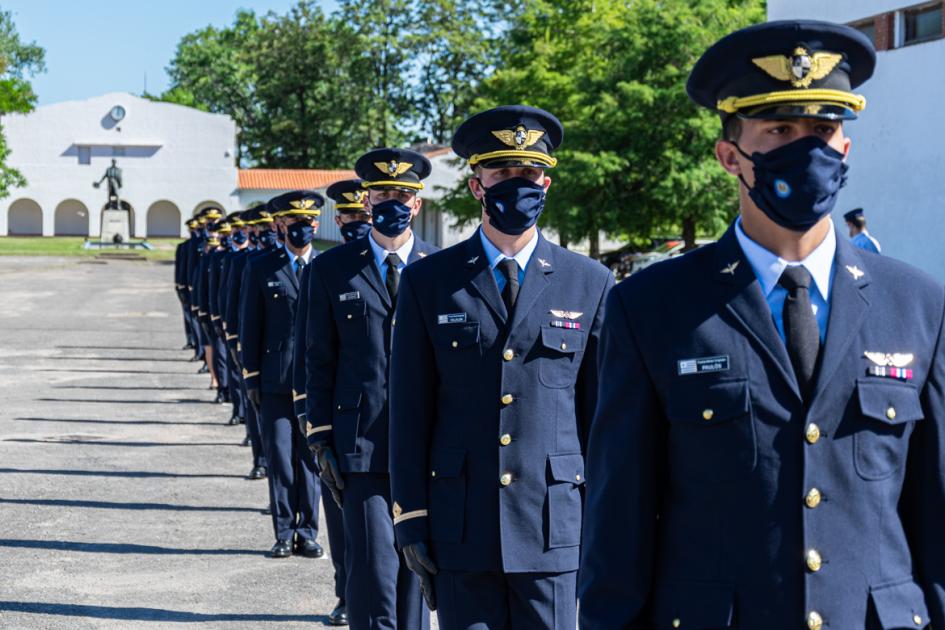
column 123, row 502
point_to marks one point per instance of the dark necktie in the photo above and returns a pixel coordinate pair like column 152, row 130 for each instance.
column 393, row 275
column 509, row 269
column 299, row 265
column 801, row 332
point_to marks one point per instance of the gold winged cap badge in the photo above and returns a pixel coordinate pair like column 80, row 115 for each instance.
column 801, row 68
column 520, row 137
column 393, row 168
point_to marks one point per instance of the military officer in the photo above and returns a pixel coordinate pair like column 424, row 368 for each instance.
column 180, row 283
column 768, row 444
column 859, row 235
column 333, row 518
column 267, row 317
column 214, row 271
column 201, row 273
column 352, row 292
column 352, row 218
column 191, row 262
column 493, row 385
column 257, row 221
column 237, row 242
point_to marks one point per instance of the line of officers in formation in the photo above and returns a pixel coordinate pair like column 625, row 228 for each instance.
column 748, row 436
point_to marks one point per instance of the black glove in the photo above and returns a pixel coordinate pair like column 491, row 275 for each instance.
column 252, row 394
column 328, row 469
column 418, row 561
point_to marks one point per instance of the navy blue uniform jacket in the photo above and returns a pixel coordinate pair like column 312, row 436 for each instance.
column 348, row 354
column 715, row 497
column 267, row 318
column 487, row 425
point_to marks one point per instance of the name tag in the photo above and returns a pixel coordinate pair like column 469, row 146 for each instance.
column 451, row 318
column 275, row 283
column 701, row 366
column 347, row 297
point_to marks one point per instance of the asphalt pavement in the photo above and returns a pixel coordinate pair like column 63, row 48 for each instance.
column 123, row 498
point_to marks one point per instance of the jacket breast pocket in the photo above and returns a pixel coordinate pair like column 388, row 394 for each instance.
column 351, row 316
column 560, row 356
column 447, row 494
column 693, row 605
column 457, row 352
column 890, row 411
column 711, row 433
column 565, row 503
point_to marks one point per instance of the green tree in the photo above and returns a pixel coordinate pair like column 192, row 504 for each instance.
column 18, row 62
column 637, row 155
column 213, row 70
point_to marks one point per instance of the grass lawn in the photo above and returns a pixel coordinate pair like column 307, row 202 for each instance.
column 72, row 246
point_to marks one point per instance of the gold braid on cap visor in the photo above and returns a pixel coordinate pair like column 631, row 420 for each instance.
column 541, row 158
column 733, row 104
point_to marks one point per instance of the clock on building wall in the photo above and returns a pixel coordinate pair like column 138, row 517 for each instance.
column 117, row 113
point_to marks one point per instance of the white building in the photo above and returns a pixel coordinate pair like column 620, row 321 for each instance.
column 175, row 160
column 897, row 165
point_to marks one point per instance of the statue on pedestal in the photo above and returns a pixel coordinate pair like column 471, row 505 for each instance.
column 113, row 175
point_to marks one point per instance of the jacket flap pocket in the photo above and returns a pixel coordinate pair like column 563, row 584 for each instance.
column 707, row 403
column 888, row 401
column 695, row 606
column 345, row 401
column 352, row 309
column 567, row 468
column 456, row 336
column 447, row 462
column 900, row 606
column 567, row 340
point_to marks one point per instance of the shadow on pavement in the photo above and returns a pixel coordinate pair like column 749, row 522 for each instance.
column 122, row 348
column 149, row 614
column 123, row 548
column 114, row 443
column 141, row 422
column 113, row 371
column 131, row 474
column 148, row 359
column 177, row 401
column 113, row 505
column 132, row 388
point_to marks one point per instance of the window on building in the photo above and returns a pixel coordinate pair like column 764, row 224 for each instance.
column 867, row 27
column 85, row 155
column 118, row 151
column 922, row 24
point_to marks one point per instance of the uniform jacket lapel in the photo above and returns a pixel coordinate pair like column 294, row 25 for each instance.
column 848, row 308
column 747, row 304
column 286, row 270
column 369, row 271
column 482, row 279
column 540, row 266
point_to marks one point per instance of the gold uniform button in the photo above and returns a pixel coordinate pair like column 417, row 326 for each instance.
column 917, row 619
column 677, row 623
column 814, row 561
column 505, row 440
column 891, row 413
column 350, row 316
column 507, row 399
column 814, row 620
column 813, row 498
column 708, row 414
column 505, row 479
column 433, row 473
column 455, row 344
column 508, row 355
column 564, row 346
column 812, row 434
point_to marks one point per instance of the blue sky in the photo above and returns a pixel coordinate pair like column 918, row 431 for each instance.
column 98, row 46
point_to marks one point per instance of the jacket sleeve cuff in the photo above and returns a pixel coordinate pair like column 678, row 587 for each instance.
column 410, row 526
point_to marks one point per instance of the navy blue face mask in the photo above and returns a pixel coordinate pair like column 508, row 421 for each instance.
column 513, row 205
column 253, row 239
column 797, row 185
column 301, row 234
column 391, row 217
column 267, row 238
column 354, row 230
column 239, row 238
column 225, row 242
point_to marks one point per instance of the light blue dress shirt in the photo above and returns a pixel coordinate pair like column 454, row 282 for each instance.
column 307, row 257
column 768, row 268
column 380, row 255
column 864, row 241
column 494, row 256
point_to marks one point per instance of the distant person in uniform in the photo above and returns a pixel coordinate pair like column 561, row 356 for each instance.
column 352, row 218
column 859, row 236
column 493, row 387
column 768, row 447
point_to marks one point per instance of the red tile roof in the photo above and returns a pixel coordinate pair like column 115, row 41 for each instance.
column 289, row 179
